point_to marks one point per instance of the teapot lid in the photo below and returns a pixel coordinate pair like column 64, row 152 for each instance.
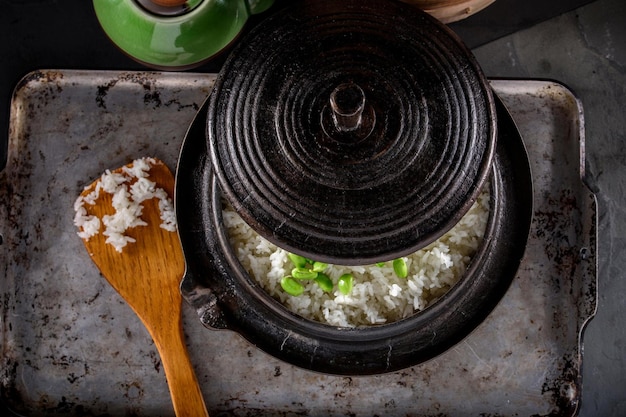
column 351, row 131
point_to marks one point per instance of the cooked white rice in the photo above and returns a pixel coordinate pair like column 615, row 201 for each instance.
column 378, row 295
column 129, row 187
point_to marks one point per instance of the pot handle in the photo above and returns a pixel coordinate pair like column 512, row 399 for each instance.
column 258, row 6
column 204, row 301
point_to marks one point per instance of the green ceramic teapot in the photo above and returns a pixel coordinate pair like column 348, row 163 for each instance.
column 174, row 34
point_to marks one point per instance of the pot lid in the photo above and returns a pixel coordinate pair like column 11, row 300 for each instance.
column 351, row 131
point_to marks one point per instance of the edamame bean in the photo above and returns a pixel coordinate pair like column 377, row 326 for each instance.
column 319, row 266
column 303, row 273
column 291, row 286
column 324, row 282
column 298, row 261
column 345, row 283
column 400, row 268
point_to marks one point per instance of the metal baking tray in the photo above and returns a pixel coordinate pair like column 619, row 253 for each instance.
column 71, row 346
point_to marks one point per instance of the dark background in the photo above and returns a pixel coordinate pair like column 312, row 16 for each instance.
column 581, row 43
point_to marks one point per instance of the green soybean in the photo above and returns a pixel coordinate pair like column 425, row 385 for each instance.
column 319, row 266
column 291, row 286
column 345, row 283
column 303, row 273
column 400, row 268
column 380, row 264
column 298, row 261
column 324, row 282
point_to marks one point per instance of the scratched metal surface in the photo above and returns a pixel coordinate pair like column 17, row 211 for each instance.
column 70, row 346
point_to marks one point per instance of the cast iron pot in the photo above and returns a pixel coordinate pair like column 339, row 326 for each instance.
column 226, row 297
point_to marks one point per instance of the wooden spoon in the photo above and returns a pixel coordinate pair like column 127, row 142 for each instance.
column 147, row 274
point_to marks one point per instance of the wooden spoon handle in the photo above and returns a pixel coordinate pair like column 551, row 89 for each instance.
column 181, row 378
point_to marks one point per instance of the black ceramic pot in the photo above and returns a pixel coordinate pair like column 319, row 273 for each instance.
column 448, row 127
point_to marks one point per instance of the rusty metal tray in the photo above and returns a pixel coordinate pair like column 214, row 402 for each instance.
column 71, row 346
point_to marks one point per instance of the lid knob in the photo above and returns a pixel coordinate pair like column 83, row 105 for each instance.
column 169, row 7
column 347, row 102
column 169, row 3
column 348, row 118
